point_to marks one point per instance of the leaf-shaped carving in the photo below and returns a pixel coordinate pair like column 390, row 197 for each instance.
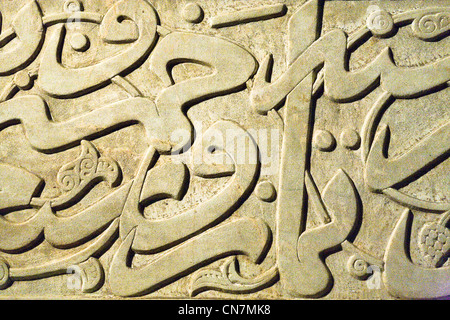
column 28, row 29
column 228, row 279
column 432, row 25
column 88, row 169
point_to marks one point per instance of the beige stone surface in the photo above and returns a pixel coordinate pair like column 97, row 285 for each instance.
column 281, row 149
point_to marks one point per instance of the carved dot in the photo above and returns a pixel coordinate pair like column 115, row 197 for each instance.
column 73, row 6
column 265, row 191
column 192, row 12
column 350, row 139
column 324, row 141
column 23, row 80
column 79, row 42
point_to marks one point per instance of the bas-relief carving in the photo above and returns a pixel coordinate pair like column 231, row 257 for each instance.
column 91, row 113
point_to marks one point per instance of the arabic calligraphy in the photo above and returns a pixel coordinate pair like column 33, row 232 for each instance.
column 250, row 232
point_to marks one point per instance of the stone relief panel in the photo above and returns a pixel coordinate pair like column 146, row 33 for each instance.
column 225, row 149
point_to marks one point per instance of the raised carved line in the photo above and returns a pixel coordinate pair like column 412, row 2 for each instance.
column 29, row 31
column 344, row 85
column 59, row 81
column 382, row 172
column 242, row 236
column 60, row 266
column 248, row 15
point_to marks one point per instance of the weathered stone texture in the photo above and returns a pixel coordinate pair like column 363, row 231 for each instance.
column 224, row 149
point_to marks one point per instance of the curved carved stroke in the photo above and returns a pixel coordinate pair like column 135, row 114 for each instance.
column 59, row 266
column 368, row 132
column 228, row 279
column 47, row 135
column 164, row 181
column 232, row 67
column 371, row 120
column 243, row 236
column 63, row 232
column 343, row 85
column 400, row 19
column 17, row 186
column 405, row 279
column 382, row 173
column 152, row 235
column 414, row 203
column 341, row 200
column 161, row 122
column 71, row 17
column 59, row 81
column 28, row 29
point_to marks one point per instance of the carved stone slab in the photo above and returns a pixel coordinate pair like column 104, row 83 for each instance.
column 277, row 149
